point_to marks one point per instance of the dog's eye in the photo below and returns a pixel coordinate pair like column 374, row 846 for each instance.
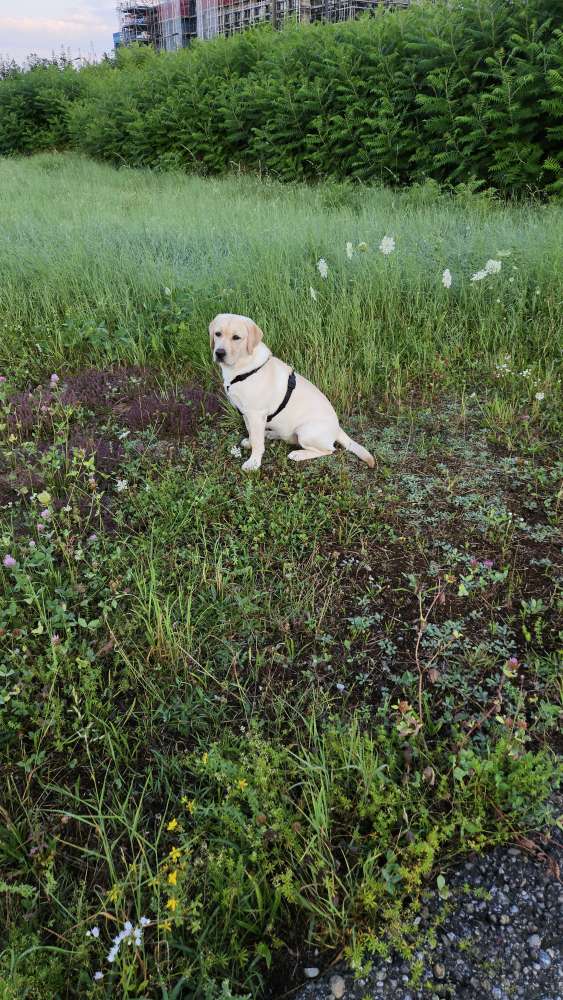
column 236, row 337
column 217, row 333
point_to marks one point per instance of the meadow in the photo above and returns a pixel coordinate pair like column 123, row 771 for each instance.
column 250, row 720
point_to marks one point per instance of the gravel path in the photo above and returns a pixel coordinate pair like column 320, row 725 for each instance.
column 501, row 938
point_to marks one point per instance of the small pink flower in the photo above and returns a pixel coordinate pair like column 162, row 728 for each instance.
column 31, row 544
column 488, row 564
column 40, row 527
column 54, row 379
column 92, row 538
column 513, row 661
column 473, row 562
column 9, row 562
column 2, row 378
column 55, row 640
column 45, row 514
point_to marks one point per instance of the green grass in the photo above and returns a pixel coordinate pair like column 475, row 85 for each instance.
column 86, row 253
column 267, row 712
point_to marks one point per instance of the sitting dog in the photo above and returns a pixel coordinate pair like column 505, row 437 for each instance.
column 275, row 402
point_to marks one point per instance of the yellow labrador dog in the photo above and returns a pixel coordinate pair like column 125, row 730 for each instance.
column 274, row 401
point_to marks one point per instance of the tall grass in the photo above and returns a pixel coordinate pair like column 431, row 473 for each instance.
column 98, row 263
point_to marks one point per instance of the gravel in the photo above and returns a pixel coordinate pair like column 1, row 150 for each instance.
column 501, row 938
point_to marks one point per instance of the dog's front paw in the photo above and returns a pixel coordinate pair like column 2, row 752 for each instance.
column 251, row 464
column 245, row 443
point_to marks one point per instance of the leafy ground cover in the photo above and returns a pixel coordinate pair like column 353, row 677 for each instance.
column 243, row 718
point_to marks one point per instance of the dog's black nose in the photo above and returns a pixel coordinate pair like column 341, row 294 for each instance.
column 220, row 353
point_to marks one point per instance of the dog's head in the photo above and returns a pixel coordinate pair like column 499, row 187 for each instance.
column 233, row 338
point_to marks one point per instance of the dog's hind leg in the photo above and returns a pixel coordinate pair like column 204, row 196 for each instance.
column 316, row 440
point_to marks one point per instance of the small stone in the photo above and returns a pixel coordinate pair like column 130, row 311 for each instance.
column 439, row 970
column 544, row 959
column 534, row 941
column 311, row 972
column 504, row 919
column 337, row 986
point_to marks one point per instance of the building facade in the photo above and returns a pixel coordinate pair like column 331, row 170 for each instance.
column 172, row 24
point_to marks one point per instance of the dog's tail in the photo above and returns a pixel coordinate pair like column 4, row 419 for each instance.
column 353, row 446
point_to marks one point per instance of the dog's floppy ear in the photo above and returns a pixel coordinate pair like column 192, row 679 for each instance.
column 255, row 335
column 211, row 333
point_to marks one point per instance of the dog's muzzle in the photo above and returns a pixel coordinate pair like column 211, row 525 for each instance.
column 220, row 354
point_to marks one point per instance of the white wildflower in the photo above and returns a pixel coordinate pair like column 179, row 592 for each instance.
column 322, row 267
column 313, row 294
column 340, row 687
column 526, row 373
column 144, row 921
column 349, row 250
column 93, row 932
column 540, row 396
column 121, row 485
column 98, row 976
column 473, row 395
column 167, row 291
column 479, row 275
column 235, row 451
column 447, row 278
column 387, row 245
column 493, row 266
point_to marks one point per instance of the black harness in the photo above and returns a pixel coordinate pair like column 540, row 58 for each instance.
column 291, row 383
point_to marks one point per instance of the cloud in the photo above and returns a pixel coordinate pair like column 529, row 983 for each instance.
column 63, row 26
column 82, row 26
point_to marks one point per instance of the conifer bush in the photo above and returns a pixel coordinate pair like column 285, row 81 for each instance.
column 458, row 92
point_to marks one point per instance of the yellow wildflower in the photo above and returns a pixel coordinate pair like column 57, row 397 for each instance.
column 242, row 784
column 113, row 894
column 190, row 806
column 172, row 904
column 165, row 925
column 173, row 878
column 175, row 853
column 173, row 825
column 205, row 758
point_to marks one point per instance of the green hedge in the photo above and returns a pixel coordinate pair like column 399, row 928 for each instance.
column 449, row 90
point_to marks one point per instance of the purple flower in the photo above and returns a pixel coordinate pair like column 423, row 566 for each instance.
column 488, row 564
column 55, row 640
column 40, row 527
column 513, row 661
column 45, row 514
column 473, row 562
column 9, row 562
column 54, row 379
column 92, row 538
column 2, row 378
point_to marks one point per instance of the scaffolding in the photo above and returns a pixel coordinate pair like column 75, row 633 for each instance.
column 137, row 22
column 172, row 24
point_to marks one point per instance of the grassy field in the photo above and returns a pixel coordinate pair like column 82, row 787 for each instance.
column 245, row 718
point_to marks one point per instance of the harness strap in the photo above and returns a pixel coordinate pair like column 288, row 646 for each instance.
column 241, row 378
column 291, row 383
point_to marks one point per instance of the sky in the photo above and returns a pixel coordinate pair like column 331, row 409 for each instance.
column 84, row 27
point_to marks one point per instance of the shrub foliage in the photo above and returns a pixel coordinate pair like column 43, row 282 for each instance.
column 453, row 91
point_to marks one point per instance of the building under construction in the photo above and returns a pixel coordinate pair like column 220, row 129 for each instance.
column 172, row 24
